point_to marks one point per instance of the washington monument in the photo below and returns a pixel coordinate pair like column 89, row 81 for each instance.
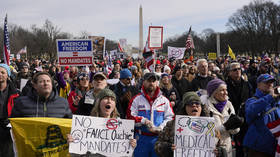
column 140, row 30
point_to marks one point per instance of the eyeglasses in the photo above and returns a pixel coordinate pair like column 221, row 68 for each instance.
column 235, row 69
column 75, row 80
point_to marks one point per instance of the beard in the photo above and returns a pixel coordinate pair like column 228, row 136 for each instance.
column 150, row 89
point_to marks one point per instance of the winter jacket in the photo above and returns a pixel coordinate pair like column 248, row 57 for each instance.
column 76, row 92
column 122, row 102
column 182, row 85
column 167, row 94
column 34, row 106
column 8, row 106
column 156, row 109
column 258, row 136
column 220, row 119
column 86, row 104
column 200, row 82
column 238, row 92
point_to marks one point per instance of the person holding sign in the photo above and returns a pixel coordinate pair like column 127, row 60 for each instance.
column 151, row 111
column 227, row 123
column 105, row 106
column 191, row 106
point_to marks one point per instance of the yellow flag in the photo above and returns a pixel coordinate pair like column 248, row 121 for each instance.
column 230, row 53
column 44, row 137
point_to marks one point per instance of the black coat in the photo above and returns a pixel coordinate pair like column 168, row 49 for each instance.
column 34, row 106
column 200, row 82
column 122, row 102
column 182, row 85
column 238, row 92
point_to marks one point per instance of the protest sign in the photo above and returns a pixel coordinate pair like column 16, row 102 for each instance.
column 212, row 55
column 176, row 52
column 109, row 137
column 98, row 43
column 194, row 136
column 22, row 83
column 155, row 37
column 76, row 52
column 40, row 137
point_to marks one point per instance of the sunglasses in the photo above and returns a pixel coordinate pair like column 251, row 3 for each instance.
column 236, row 69
column 194, row 103
column 85, row 78
column 128, row 79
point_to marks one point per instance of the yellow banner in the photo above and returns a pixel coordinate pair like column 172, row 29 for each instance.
column 41, row 137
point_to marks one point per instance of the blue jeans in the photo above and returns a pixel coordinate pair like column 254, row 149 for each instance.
column 145, row 146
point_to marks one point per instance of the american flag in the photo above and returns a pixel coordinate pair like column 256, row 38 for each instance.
column 6, row 46
column 120, row 48
column 189, row 41
column 274, row 127
column 23, row 50
column 109, row 63
column 148, row 55
column 196, row 127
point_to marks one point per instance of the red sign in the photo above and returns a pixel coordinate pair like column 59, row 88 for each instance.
column 75, row 60
column 112, row 124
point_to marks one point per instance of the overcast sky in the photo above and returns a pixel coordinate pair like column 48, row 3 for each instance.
column 117, row 19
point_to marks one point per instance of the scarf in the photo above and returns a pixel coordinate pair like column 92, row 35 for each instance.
column 220, row 106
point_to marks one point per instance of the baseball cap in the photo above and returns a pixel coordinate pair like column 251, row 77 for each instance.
column 265, row 78
column 148, row 76
column 99, row 74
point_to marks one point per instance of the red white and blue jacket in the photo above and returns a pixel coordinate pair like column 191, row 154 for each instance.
column 157, row 109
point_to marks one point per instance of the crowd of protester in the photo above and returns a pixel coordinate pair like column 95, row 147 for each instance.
column 240, row 94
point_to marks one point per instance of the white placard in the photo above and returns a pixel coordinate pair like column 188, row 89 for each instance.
column 18, row 56
column 109, row 137
column 194, row 136
column 176, row 52
column 22, row 83
column 155, row 37
column 113, row 81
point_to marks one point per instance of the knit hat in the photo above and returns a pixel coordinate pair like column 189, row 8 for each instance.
column 213, row 85
column 190, row 97
column 125, row 73
column 133, row 67
column 105, row 93
column 166, row 67
column 164, row 74
column 7, row 68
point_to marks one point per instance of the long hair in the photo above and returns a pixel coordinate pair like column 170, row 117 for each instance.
column 96, row 112
column 168, row 87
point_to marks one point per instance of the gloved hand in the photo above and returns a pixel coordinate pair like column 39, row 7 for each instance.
column 233, row 122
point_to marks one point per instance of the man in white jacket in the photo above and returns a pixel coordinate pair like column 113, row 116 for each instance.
column 151, row 111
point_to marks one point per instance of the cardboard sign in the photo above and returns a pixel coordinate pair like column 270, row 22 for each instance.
column 194, row 136
column 155, row 37
column 109, row 137
column 76, row 52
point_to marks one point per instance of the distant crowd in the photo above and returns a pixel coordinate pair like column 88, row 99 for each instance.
column 241, row 95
